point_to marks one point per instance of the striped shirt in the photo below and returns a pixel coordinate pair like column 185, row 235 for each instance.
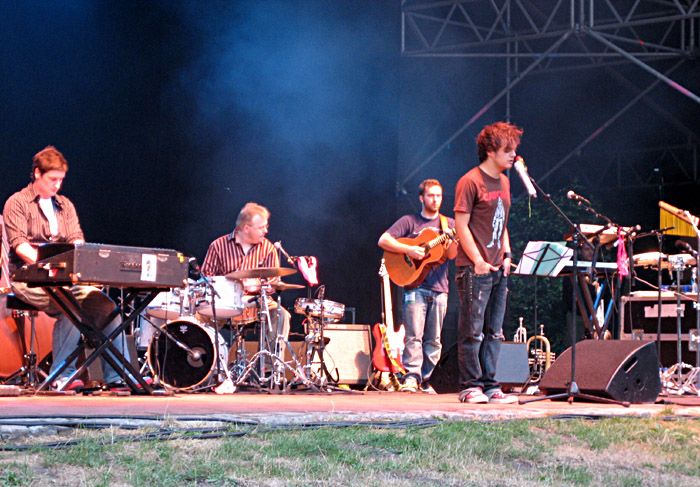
column 226, row 255
column 25, row 222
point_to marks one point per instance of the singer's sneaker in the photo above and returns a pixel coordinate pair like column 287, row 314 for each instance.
column 496, row 396
column 473, row 395
column 410, row 384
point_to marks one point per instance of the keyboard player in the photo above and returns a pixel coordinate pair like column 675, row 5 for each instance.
column 36, row 215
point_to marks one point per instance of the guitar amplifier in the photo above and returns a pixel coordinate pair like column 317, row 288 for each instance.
column 347, row 356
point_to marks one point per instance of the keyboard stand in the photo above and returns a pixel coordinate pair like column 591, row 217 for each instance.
column 93, row 336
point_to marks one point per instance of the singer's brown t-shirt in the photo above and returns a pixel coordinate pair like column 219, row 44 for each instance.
column 487, row 200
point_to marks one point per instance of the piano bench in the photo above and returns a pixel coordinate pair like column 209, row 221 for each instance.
column 14, row 303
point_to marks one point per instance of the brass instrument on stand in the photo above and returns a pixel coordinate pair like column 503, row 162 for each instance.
column 540, row 355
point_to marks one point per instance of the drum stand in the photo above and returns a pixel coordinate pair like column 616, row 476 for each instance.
column 274, row 377
column 674, row 380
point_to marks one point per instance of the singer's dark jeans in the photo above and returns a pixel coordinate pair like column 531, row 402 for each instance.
column 480, row 328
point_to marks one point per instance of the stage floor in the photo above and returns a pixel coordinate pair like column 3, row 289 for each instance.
column 305, row 406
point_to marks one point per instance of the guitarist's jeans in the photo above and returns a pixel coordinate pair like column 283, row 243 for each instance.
column 423, row 313
column 480, row 328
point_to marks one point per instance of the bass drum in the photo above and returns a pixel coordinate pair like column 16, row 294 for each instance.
column 12, row 356
column 180, row 370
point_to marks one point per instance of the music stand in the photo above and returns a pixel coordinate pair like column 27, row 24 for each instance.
column 543, row 259
column 572, row 390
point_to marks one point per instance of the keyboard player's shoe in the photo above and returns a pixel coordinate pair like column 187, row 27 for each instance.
column 77, row 385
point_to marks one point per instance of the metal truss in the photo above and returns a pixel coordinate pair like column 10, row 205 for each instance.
column 545, row 36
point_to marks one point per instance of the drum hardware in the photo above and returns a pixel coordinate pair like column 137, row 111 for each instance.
column 267, row 367
column 318, row 312
column 258, row 364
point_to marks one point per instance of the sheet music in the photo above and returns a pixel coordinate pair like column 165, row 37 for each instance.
column 544, row 259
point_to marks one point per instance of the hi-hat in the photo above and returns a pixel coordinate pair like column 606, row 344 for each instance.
column 261, row 273
column 285, row 286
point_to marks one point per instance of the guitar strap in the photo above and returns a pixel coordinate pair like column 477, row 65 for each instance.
column 443, row 224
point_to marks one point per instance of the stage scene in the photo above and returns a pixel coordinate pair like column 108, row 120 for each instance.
column 432, row 205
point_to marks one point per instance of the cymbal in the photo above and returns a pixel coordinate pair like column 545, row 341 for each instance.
column 261, row 273
column 285, row 286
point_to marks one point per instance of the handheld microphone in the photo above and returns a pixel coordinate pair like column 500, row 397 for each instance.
column 681, row 244
column 573, row 196
column 278, row 246
column 519, row 166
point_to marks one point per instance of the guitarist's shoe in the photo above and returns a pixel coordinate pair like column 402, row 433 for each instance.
column 410, row 384
column 473, row 395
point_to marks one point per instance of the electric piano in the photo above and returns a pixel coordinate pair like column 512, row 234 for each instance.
column 138, row 270
column 61, row 264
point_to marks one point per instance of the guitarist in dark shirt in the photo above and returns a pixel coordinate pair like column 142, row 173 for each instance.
column 424, row 306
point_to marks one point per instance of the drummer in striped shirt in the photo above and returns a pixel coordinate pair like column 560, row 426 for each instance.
column 247, row 248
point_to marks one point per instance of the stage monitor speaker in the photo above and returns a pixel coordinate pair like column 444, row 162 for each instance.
column 512, row 370
column 623, row 370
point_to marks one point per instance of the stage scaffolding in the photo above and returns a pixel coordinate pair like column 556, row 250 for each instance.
column 540, row 37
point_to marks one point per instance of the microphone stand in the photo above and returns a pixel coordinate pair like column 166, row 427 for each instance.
column 572, row 390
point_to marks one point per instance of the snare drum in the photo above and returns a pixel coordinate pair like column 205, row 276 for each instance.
column 250, row 313
column 230, row 303
column 178, row 369
column 312, row 307
column 168, row 305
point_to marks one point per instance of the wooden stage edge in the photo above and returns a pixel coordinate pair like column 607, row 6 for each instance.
column 336, row 406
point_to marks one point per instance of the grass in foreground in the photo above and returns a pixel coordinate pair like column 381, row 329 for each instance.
column 607, row 452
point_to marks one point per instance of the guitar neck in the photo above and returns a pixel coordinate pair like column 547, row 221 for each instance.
column 388, row 309
column 438, row 240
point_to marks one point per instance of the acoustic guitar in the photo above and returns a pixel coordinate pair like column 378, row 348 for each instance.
column 389, row 343
column 409, row 273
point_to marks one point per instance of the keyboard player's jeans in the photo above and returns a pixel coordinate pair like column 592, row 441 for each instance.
column 66, row 335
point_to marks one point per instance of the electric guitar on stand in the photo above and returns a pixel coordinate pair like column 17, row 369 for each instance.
column 389, row 343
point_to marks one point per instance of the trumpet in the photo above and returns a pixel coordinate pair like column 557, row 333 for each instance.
column 540, row 355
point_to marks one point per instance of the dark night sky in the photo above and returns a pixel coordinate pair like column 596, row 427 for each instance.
column 172, row 115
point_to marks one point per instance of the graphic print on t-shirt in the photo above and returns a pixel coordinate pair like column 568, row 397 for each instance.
column 499, row 218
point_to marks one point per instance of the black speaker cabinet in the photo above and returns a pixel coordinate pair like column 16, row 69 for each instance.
column 639, row 316
column 512, row 369
column 624, row 370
